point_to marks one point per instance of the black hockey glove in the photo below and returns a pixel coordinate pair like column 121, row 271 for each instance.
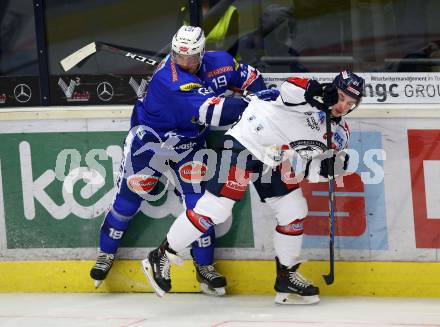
column 330, row 95
column 327, row 92
column 314, row 89
column 340, row 164
column 266, row 95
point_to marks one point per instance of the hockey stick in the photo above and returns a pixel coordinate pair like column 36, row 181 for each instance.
column 329, row 278
column 81, row 55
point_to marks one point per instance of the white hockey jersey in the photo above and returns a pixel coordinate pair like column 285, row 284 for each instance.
column 288, row 126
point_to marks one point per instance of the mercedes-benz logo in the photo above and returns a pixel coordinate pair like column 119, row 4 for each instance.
column 22, row 93
column 105, row 91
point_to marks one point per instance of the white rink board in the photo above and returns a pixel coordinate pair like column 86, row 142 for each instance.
column 382, row 88
column 388, row 237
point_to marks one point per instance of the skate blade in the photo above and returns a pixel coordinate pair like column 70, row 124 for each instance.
column 97, row 283
column 220, row 291
column 289, row 298
column 146, row 268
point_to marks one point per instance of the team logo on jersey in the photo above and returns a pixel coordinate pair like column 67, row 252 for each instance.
column 190, row 86
column 305, row 153
column 313, row 144
column 307, row 149
column 312, row 123
column 340, row 140
column 193, row 172
column 185, row 146
column 141, row 184
column 220, row 70
column 2, row 98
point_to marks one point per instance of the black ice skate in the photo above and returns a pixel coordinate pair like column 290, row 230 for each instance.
column 211, row 281
column 102, row 267
column 292, row 288
column 157, row 268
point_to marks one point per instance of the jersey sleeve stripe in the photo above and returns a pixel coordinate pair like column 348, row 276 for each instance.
column 252, row 74
column 301, row 82
column 216, row 113
column 209, row 114
column 203, row 110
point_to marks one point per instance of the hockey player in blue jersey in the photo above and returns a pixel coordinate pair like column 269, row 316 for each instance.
column 168, row 128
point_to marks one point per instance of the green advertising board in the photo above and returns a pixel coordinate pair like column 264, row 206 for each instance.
column 57, row 186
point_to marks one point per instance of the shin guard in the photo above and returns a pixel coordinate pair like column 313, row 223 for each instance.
column 112, row 231
column 203, row 249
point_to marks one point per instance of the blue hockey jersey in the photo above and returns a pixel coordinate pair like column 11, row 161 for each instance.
column 184, row 105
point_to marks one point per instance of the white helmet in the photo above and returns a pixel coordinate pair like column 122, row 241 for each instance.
column 189, row 40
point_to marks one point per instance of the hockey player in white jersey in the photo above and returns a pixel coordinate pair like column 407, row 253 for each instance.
column 267, row 132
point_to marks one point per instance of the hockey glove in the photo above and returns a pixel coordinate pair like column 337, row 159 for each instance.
column 314, row 89
column 330, row 95
column 327, row 92
column 340, row 162
column 266, row 95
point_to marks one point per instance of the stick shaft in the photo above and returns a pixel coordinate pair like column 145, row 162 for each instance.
column 128, row 54
column 331, row 189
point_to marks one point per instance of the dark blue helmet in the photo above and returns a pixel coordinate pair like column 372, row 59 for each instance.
column 350, row 84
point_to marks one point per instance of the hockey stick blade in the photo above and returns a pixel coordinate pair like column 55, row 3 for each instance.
column 329, row 279
column 75, row 58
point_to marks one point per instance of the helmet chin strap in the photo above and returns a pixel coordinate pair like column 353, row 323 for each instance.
column 201, row 58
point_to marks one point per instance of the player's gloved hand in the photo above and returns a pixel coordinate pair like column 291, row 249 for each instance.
column 326, row 92
column 266, row 95
column 340, row 162
column 313, row 89
column 330, row 95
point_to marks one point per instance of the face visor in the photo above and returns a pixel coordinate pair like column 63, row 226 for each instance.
column 190, row 63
